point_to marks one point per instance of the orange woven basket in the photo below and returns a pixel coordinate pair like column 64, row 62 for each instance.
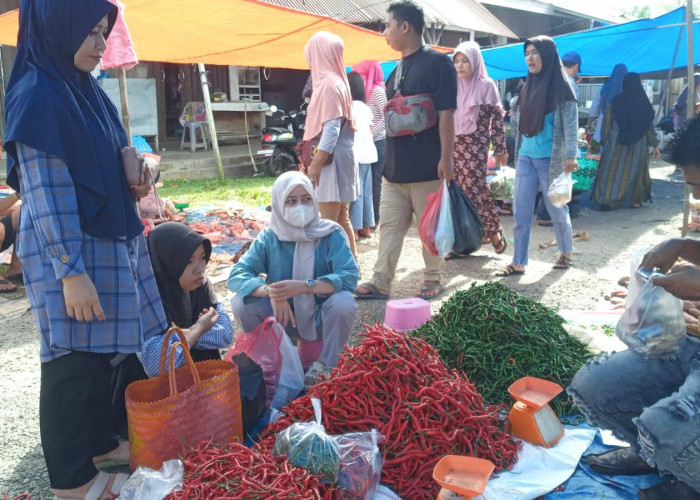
column 180, row 408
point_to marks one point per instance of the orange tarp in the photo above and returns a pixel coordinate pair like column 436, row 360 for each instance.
column 229, row 32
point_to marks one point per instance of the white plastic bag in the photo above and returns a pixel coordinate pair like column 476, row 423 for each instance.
column 149, row 484
column 502, row 184
column 360, row 464
column 445, row 231
column 653, row 320
column 291, row 374
column 560, row 190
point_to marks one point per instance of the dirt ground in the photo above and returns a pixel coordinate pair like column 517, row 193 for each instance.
column 599, row 263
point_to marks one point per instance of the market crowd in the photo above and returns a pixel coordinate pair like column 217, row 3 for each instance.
column 103, row 294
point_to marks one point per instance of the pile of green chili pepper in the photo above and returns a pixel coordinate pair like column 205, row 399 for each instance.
column 497, row 336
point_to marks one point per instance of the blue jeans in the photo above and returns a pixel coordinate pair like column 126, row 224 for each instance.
column 652, row 402
column 377, row 172
column 531, row 175
column 362, row 209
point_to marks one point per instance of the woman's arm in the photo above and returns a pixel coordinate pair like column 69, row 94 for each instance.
column 377, row 103
column 218, row 336
column 329, row 138
column 497, row 132
column 570, row 123
column 344, row 273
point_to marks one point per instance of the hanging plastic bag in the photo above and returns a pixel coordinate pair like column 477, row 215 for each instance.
column 653, row 320
column 429, row 221
column 270, row 347
column 306, row 445
column 360, row 464
column 149, row 484
column 468, row 230
column 561, row 189
column 502, row 185
column 445, row 231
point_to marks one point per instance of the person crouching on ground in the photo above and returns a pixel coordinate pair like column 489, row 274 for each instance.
column 310, row 274
column 654, row 401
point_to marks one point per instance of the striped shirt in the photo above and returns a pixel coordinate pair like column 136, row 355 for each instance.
column 52, row 246
column 220, row 335
column 377, row 103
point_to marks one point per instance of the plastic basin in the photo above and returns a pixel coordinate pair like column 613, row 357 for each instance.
column 403, row 315
column 534, row 391
column 464, row 475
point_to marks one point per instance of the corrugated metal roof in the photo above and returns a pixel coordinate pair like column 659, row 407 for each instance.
column 455, row 15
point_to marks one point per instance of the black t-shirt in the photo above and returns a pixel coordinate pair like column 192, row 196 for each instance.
column 414, row 158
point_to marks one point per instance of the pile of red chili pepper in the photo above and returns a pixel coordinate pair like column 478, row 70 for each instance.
column 236, row 472
column 398, row 385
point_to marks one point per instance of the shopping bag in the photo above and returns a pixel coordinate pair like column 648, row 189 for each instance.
column 445, row 231
column 429, row 221
column 468, row 230
column 180, row 408
column 560, row 190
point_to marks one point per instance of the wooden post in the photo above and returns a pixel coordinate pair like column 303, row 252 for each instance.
column 210, row 119
column 123, row 95
column 691, row 105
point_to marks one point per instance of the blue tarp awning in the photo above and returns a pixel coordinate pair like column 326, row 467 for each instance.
column 646, row 46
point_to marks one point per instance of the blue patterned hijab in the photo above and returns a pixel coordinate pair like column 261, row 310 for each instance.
column 55, row 108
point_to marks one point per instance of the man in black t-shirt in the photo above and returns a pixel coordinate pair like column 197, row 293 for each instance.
column 415, row 164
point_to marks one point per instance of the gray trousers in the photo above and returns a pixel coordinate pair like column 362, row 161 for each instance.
column 653, row 403
column 337, row 319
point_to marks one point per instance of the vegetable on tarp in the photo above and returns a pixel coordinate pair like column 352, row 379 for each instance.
column 497, row 336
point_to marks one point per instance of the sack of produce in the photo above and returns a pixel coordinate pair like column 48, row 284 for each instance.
column 468, row 230
column 653, row 321
column 560, row 190
column 360, row 465
column 306, row 445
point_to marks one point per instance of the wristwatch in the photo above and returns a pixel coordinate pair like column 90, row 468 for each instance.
column 310, row 283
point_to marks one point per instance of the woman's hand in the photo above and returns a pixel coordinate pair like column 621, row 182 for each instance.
column 317, row 164
column 287, row 289
column 82, row 301
column 283, row 313
column 501, row 160
column 207, row 319
column 570, row 165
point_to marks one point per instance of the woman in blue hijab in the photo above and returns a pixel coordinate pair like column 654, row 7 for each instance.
column 604, row 98
column 86, row 266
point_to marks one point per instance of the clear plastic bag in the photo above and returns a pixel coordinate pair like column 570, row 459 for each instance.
column 445, row 230
column 291, row 374
column 149, row 484
column 502, row 185
column 653, row 320
column 306, row 445
column 560, row 190
column 360, row 464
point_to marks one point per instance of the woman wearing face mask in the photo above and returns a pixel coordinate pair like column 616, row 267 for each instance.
column 478, row 123
column 310, row 274
column 330, row 117
column 545, row 121
column 86, row 267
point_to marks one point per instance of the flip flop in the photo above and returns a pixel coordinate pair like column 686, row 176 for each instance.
column 455, row 255
column 431, row 287
column 120, row 461
column 100, row 486
column 501, row 241
column 4, row 281
column 17, row 279
column 374, row 292
column 509, row 270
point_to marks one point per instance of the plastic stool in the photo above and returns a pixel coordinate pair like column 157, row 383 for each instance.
column 192, row 141
column 403, row 315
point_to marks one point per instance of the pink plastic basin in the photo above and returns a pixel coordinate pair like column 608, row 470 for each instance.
column 403, row 315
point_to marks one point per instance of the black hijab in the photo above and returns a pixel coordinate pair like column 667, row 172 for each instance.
column 171, row 245
column 544, row 91
column 632, row 110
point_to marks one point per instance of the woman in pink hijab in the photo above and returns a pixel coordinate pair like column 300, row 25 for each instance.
column 478, row 122
column 330, row 116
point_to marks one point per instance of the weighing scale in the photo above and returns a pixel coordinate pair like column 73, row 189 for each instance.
column 462, row 477
column 531, row 418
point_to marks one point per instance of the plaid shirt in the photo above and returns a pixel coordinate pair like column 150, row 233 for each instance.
column 51, row 246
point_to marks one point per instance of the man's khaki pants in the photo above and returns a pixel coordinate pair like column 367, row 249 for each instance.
column 398, row 204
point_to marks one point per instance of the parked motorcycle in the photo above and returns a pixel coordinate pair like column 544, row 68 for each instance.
column 278, row 140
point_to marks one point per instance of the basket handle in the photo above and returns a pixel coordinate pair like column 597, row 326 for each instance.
column 164, row 346
column 171, row 366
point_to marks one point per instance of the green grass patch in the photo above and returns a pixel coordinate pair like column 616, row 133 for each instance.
column 250, row 191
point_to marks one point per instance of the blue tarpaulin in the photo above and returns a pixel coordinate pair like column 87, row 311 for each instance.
column 646, row 46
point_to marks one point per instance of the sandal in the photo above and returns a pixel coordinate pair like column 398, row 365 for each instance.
column 431, row 287
column 374, row 292
column 509, row 270
column 99, row 486
column 17, row 279
column 455, row 255
column 563, row 263
column 122, row 458
column 6, row 282
column 501, row 245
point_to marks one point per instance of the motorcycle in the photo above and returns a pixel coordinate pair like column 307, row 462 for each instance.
column 278, row 153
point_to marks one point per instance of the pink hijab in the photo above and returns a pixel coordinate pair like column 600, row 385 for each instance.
column 331, row 91
column 473, row 91
column 372, row 74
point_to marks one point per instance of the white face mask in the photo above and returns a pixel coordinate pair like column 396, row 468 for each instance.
column 299, row 215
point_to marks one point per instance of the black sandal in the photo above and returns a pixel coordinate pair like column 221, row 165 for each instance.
column 509, row 270
column 501, row 245
column 563, row 263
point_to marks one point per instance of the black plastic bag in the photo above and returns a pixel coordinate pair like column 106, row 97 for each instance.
column 467, row 222
column 253, row 395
